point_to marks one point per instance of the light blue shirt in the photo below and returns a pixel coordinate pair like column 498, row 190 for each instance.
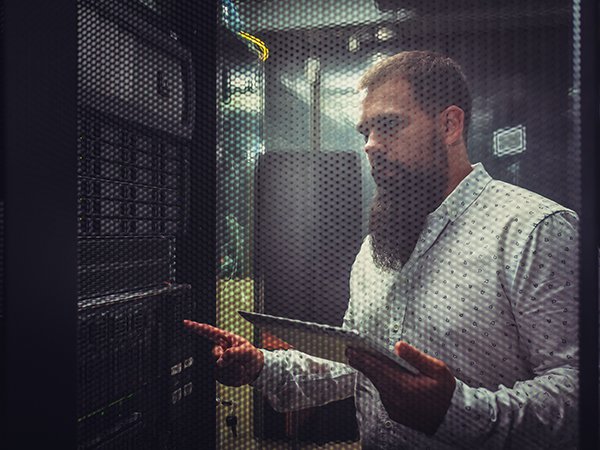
column 492, row 290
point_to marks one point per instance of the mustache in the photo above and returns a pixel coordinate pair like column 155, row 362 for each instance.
column 390, row 174
column 397, row 178
column 380, row 163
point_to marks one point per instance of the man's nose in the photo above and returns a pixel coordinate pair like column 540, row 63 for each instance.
column 375, row 144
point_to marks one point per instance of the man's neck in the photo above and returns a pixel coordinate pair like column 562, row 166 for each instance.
column 456, row 173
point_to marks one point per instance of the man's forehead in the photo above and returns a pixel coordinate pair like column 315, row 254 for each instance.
column 390, row 96
column 392, row 90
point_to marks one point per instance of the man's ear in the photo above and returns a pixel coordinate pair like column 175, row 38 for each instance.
column 452, row 123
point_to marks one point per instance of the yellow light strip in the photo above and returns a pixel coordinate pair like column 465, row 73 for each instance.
column 256, row 41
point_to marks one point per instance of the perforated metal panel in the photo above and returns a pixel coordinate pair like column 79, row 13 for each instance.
column 139, row 383
column 466, row 235
column 433, row 201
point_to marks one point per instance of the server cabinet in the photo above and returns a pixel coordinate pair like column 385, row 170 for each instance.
column 139, row 374
column 47, row 218
column 307, row 234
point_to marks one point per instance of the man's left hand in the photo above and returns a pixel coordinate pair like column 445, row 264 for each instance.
column 417, row 401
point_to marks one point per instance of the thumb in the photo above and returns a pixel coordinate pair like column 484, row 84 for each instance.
column 424, row 363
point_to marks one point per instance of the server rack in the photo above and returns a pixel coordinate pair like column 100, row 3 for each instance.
column 110, row 234
column 137, row 367
column 302, row 260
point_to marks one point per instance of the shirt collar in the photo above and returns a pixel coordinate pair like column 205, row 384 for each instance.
column 464, row 194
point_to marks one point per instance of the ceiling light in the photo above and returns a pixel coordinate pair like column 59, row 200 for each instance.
column 384, row 33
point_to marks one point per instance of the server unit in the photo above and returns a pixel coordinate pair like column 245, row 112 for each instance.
column 136, row 371
column 137, row 367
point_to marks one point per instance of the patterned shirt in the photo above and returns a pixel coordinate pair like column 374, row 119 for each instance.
column 491, row 289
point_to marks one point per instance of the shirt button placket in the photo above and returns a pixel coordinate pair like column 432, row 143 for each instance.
column 400, row 306
column 384, row 430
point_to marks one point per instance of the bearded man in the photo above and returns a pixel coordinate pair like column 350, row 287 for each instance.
column 471, row 280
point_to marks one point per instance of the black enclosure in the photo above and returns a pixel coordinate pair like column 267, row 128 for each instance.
column 108, row 118
column 182, row 159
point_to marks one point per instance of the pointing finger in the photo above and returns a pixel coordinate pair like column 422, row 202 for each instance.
column 217, row 351
column 234, row 355
column 215, row 334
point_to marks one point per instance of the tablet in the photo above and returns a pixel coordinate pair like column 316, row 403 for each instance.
column 323, row 341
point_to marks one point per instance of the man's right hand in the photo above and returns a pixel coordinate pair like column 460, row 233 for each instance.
column 238, row 362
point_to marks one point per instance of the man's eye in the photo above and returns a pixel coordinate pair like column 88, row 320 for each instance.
column 390, row 124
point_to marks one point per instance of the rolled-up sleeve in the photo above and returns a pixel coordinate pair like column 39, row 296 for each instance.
column 292, row 380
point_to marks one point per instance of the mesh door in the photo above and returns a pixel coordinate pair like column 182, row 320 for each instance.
column 403, row 231
column 139, row 383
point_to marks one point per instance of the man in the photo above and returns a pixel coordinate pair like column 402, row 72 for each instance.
column 471, row 280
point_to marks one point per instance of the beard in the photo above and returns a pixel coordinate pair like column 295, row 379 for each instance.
column 404, row 199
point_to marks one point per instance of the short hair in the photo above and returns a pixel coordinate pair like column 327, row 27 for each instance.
column 437, row 81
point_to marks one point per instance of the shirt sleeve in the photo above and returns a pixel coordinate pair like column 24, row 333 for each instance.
column 540, row 412
column 292, row 380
